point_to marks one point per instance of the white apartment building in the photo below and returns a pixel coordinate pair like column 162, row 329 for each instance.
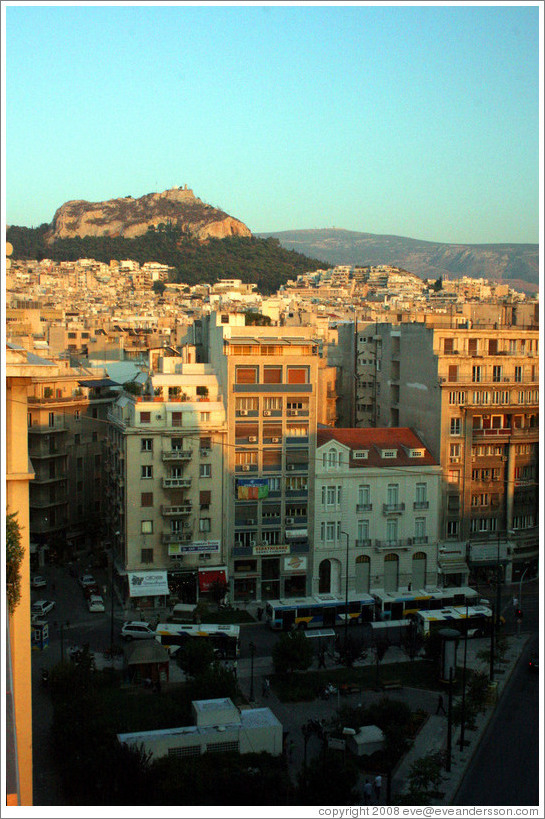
column 376, row 511
column 166, row 489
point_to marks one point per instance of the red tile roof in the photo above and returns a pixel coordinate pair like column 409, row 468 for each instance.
column 376, row 439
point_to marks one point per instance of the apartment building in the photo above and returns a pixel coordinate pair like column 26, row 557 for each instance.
column 67, row 426
column 472, row 395
column 165, row 491
column 275, row 392
column 377, row 494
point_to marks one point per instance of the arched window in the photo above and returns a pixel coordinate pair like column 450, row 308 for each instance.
column 418, row 580
column 363, row 574
column 324, row 573
column 391, row 572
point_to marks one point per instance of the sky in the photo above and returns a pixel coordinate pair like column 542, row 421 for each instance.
column 418, row 121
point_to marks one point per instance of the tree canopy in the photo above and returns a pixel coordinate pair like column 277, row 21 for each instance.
column 14, row 558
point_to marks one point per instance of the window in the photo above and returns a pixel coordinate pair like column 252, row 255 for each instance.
column 205, row 498
column 421, row 494
column 77, row 415
column 79, row 488
column 389, row 453
column 453, row 476
column 205, row 417
column 204, row 524
column 393, row 494
column 94, row 412
column 51, row 419
column 77, row 439
column 176, row 419
column 330, row 531
column 146, row 445
column 452, row 528
column 455, row 451
column 274, row 484
column 205, row 470
column 245, row 375
column 146, row 556
column 79, row 463
column 456, row 397
column 331, row 459
column 496, row 372
column 518, row 374
column 420, row 530
column 493, row 346
column 331, row 495
column 472, row 346
column 146, row 499
column 363, row 532
column 98, row 461
column 453, row 373
column 146, row 527
column 391, row 530
column 272, row 375
column 455, row 426
column 145, row 417
column 448, row 345
column 146, row 472
column 176, row 526
column 95, row 437
column 364, row 496
column 177, row 444
column 476, row 374
column 298, row 375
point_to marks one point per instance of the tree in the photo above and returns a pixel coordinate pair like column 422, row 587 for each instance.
column 412, row 641
column 380, row 647
column 132, row 388
column 330, row 779
column 158, row 287
column 425, row 776
column 196, row 656
column 292, row 652
column 438, row 284
column 14, row 558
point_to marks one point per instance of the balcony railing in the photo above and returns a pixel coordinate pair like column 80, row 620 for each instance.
column 177, row 455
column 364, row 507
column 176, row 537
column 421, row 505
column 364, row 542
column 399, row 543
column 180, row 509
column 393, row 508
column 176, row 483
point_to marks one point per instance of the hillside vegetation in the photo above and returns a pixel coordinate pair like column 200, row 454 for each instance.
column 263, row 261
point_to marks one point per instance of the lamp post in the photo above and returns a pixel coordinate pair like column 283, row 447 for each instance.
column 520, row 585
column 346, row 600
column 498, row 585
column 463, row 715
column 116, row 535
column 252, row 652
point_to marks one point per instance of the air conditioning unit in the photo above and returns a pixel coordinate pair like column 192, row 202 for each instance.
column 292, row 412
column 246, row 468
column 275, row 440
column 253, row 543
column 266, row 412
column 291, row 467
column 238, row 544
column 252, row 439
column 264, row 542
column 290, row 521
column 158, row 416
column 250, row 522
column 243, row 412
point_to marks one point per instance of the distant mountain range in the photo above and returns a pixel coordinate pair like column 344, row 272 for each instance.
column 514, row 264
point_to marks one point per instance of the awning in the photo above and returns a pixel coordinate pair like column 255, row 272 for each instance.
column 147, row 584
column 99, row 382
column 209, row 576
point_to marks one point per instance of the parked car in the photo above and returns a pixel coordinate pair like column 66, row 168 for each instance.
column 42, row 607
column 137, row 630
column 90, row 590
column 96, row 603
column 38, row 582
column 87, row 580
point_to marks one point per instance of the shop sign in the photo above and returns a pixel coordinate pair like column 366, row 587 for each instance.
column 147, row 584
column 175, row 549
column 265, row 549
column 252, row 488
column 207, row 577
column 296, row 533
column 295, row 564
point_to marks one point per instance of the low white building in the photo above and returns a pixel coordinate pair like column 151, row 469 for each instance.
column 219, row 726
column 377, row 495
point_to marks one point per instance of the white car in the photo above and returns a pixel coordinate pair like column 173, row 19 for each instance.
column 96, row 603
column 42, row 607
column 137, row 630
column 87, row 580
column 38, row 582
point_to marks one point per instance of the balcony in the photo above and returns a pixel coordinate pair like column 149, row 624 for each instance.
column 399, row 543
column 45, row 429
column 421, row 540
column 393, row 508
column 176, row 483
column 176, row 537
column 364, row 542
column 177, row 455
column 174, row 511
column 364, row 507
column 421, row 505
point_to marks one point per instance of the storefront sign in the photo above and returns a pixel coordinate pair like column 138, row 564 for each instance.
column 489, row 554
column 266, row 549
column 207, row 577
column 252, row 488
column 175, row 549
column 294, row 534
column 147, row 584
column 295, row 564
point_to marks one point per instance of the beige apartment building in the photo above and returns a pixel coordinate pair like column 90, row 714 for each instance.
column 165, row 464
column 275, row 389
column 472, row 395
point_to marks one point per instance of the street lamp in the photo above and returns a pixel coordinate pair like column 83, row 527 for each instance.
column 520, row 585
column 463, row 715
column 116, row 534
column 346, row 601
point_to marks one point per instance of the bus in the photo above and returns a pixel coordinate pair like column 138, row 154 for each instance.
column 477, row 619
column 319, row 611
column 225, row 639
column 396, row 605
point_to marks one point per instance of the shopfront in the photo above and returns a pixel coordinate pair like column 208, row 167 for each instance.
column 148, row 589
column 269, row 573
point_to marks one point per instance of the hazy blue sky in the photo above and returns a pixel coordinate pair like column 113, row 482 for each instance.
column 415, row 121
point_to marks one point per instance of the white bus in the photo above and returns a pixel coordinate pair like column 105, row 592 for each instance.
column 477, row 619
column 398, row 604
column 225, row 639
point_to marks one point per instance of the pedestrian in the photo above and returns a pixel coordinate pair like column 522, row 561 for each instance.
column 367, row 792
column 377, row 786
column 440, row 706
column 234, row 668
column 515, row 602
